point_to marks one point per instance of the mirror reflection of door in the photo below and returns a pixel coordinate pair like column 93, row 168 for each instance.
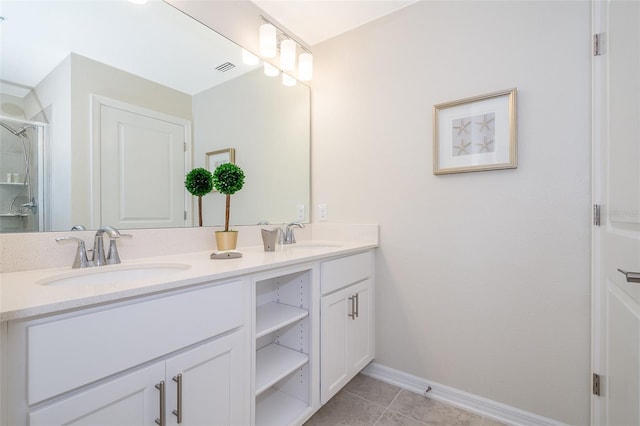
column 142, row 169
column 616, row 311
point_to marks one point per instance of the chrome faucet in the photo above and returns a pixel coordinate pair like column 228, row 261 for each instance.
column 289, row 236
column 81, row 260
column 112, row 257
column 98, row 259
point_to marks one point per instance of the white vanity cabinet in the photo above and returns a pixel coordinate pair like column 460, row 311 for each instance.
column 347, row 326
column 177, row 354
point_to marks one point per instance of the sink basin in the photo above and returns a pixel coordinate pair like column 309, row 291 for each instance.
column 115, row 274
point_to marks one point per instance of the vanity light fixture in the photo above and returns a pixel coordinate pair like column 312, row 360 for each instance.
column 278, row 40
column 305, row 66
column 288, row 55
column 268, row 40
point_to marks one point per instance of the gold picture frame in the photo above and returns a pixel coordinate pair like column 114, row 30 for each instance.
column 475, row 134
column 221, row 156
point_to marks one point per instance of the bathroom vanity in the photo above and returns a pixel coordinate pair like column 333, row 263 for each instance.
column 264, row 339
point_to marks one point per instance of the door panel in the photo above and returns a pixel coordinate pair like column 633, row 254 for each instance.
column 214, row 383
column 128, row 400
column 624, row 352
column 616, row 310
column 142, row 170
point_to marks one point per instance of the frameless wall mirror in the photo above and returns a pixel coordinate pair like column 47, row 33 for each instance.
column 106, row 105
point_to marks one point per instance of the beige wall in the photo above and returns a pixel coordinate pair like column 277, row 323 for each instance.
column 268, row 125
column 482, row 278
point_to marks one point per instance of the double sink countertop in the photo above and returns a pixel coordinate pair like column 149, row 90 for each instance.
column 46, row 291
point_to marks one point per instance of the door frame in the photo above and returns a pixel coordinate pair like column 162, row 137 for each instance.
column 95, row 192
column 598, row 136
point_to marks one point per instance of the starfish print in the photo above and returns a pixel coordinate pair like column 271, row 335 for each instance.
column 486, row 121
column 484, row 146
column 462, row 127
column 462, row 148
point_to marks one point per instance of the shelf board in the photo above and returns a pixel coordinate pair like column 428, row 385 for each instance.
column 275, row 362
column 272, row 316
column 277, row 408
column 13, row 183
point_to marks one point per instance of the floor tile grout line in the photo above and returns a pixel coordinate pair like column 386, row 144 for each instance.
column 387, row 408
column 368, row 400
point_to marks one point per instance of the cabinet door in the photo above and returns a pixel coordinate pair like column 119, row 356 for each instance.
column 347, row 342
column 360, row 331
column 214, row 384
column 128, row 400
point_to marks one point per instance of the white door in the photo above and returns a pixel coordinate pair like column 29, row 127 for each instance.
column 616, row 298
column 129, row 400
column 211, row 382
column 142, row 169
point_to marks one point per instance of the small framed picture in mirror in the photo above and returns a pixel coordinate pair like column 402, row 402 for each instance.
column 215, row 158
column 221, row 156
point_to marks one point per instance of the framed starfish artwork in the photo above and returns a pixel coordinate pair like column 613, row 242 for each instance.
column 475, row 134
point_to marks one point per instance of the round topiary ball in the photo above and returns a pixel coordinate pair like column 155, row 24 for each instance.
column 199, row 182
column 228, row 178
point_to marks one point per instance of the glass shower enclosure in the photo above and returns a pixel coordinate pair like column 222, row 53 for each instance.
column 21, row 165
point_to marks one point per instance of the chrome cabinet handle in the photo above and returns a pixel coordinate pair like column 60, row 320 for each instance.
column 632, row 277
column 357, row 296
column 178, row 411
column 353, row 314
column 161, row 421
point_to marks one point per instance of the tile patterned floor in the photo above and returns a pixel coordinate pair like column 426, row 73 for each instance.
column 369, row 402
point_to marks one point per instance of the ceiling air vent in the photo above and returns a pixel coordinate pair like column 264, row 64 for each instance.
column 225, row 67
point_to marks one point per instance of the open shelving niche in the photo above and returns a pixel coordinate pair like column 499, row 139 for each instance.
column 283, row 344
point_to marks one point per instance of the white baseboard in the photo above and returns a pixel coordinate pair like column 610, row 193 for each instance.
column 473, row 403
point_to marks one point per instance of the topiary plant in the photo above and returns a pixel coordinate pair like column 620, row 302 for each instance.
column 199, row 182
column 228, row 179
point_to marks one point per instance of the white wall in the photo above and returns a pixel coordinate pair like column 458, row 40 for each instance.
column 482, row 278
column 50, row 101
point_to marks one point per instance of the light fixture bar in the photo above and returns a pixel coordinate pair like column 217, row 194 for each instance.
column 285, row 34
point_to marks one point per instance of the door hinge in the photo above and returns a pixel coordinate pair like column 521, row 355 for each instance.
column 185, row 215
column 596, row 384
column 596, row 214
column 598, row 44
column 184, row 144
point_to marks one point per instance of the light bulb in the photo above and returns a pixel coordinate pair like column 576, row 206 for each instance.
column 268, row 42
column 287, row 80
column 305, row 66
column 288, row 55
column 249, row 58
column 270, row 70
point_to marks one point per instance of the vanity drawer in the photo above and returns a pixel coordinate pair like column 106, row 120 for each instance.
column 67, row 353
column 339, row 273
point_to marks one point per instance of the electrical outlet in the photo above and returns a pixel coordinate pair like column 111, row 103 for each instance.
column 323, row 212
column 301, row 212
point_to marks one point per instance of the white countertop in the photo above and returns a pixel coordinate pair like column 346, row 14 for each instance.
column 23, row 295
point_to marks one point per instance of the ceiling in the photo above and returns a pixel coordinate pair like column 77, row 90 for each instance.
column 315, row 21
column 154, row 41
